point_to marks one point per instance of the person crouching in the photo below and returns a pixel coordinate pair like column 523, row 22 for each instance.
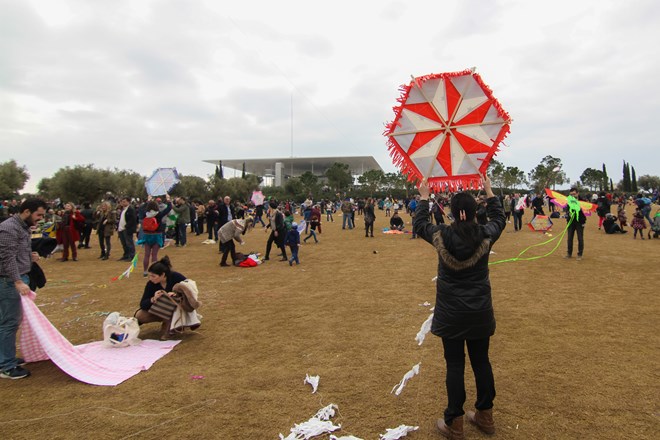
column 161, row 282
column 230, row 231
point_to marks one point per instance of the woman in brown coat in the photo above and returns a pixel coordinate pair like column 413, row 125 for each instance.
column 106, row 218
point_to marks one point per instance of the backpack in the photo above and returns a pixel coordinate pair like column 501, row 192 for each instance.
column 150, row 224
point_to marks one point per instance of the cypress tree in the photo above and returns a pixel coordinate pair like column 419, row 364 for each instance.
column 611, row 185
column 605, row 178
column 626, row 177
column 633, row 181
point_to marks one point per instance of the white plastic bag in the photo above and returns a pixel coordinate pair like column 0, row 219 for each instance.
column 119, row 331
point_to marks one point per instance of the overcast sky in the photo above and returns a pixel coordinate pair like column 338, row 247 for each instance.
column 139, row 84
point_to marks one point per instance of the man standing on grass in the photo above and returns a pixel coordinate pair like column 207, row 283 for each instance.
column 16, row 258
column 576, row 220
column 126, row 228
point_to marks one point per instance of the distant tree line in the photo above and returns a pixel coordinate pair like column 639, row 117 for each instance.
column 83, row 183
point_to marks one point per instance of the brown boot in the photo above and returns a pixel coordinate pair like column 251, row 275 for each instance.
column 453, row 431
column 482, row 420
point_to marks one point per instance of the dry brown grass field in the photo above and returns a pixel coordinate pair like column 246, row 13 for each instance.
column 576, row 354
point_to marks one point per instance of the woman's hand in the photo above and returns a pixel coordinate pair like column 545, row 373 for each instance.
column 485, row 180
column 424, row 190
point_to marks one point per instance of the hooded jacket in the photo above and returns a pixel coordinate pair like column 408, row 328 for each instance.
column 463, row 306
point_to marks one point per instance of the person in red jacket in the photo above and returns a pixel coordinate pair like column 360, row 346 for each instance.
column 71, row 219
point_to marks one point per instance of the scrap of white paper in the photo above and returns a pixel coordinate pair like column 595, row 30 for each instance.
column 310, row 428
column 326, row 413
column 317, row 425
column 398, row 432
column 344, row 437
column 435, row 278
column 425, row 304
column 426, row 327
column 313, row 381
column 409, row 375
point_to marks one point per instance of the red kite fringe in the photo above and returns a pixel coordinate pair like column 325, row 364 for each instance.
column 437, row 184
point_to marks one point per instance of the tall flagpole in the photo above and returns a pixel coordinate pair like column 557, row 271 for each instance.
column 291, row 124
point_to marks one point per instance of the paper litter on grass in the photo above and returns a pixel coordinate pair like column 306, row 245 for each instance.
column 398, row 432
column 426, row 327
column 313, row 381
column 345, row 437
column 409, row 375
column 317, row 425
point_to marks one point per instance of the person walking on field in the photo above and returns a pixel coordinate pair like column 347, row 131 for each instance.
column 16, row 259
column 463, row 312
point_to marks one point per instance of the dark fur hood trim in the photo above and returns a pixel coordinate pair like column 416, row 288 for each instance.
column 451, row 262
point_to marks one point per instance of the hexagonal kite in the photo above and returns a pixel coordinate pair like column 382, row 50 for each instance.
column 446, row 129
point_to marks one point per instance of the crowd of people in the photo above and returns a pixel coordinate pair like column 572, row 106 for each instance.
column 162, row 221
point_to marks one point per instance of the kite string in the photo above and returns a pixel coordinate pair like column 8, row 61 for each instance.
column 519, row 257
column 207, row 402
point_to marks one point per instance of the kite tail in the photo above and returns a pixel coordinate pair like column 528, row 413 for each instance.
column 536, row 257
column 127, row 272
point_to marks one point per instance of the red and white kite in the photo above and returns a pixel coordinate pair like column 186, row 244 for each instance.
column 447, row 128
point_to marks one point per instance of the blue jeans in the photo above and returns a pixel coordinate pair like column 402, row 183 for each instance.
column 11, row 313
column 346, row 217
column 311, row 234
column 294, row 255
column 646, row 211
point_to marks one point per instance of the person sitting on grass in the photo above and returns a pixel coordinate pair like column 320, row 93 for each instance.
column 396, row 222
column 610, row 226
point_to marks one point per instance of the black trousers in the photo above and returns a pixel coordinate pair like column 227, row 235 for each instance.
column 483, row 375
column 279, row 242
column 572, row 229
column 517, row 220
column 228, row 248
column 86, row 234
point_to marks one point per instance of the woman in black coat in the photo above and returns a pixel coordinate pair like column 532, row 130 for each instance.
column 463, row 308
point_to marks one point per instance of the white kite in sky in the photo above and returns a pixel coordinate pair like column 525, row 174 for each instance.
column 398, row 432
column 313, row 381
column 409, row 375
column 426, row 327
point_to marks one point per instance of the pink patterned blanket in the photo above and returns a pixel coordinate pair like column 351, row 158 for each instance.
column 92, row 363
